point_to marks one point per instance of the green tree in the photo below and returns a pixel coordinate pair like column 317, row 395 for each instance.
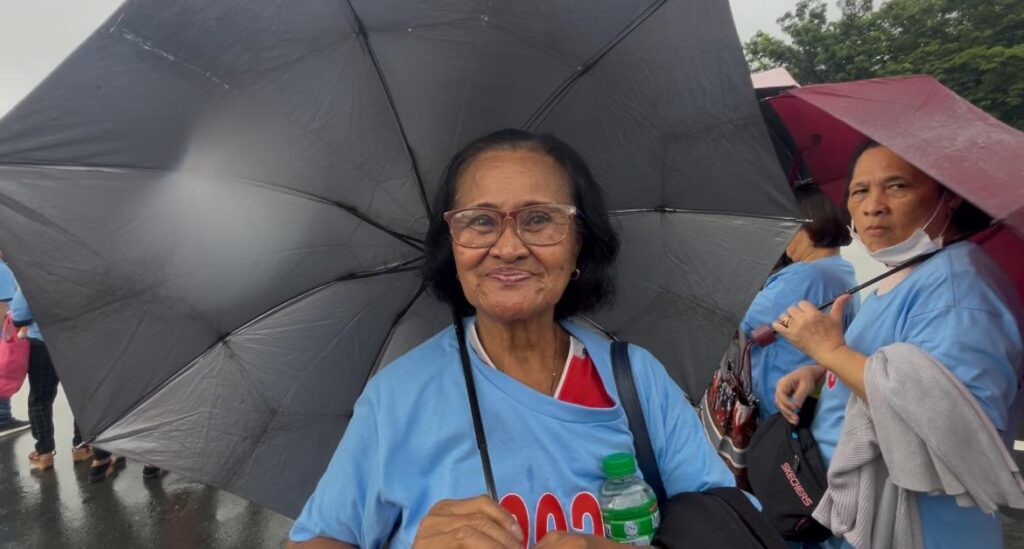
column 974, row 47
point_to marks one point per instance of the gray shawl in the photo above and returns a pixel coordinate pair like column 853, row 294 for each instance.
column 921, row 431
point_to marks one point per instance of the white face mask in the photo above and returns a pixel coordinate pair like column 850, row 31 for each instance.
column 919, row 243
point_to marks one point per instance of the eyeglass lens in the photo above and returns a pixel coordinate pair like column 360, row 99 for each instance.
column 538, row 225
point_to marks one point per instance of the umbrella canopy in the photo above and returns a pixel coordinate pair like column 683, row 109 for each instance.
column 217, row 208
column 944, row 135
column 770, row 84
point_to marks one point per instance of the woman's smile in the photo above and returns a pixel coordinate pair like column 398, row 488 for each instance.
column 509, row 276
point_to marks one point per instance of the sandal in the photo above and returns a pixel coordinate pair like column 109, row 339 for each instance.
column 41, row 462
column 100, row 471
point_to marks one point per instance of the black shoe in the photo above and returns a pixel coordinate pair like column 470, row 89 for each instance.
column 99, row 473
column 151, row 472
column 13, row 426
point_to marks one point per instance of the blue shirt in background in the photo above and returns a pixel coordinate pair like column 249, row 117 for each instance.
column 22, row 315
column 8, row 285
column 816, row 281
column 959, row 308
column 10, row 293
column 410, row 444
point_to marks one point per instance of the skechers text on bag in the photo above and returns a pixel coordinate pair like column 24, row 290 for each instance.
column 787, row 475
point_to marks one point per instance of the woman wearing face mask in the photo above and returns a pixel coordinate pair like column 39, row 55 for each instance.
column 815, row 273
column 955, row 311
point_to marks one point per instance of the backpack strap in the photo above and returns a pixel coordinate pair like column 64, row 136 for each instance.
column 630, row 401
column 745, row 510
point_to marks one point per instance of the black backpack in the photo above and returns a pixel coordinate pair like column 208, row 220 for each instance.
column 787, row 475
column 721, row 517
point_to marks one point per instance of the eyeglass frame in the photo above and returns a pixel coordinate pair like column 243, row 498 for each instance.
column 573, row 211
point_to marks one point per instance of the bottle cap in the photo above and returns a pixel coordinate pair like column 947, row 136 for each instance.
column 619, row 465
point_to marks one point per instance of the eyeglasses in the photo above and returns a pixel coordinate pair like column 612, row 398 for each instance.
column 541, row 225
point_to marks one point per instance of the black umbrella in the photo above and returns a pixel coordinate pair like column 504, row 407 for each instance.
column 217, row 207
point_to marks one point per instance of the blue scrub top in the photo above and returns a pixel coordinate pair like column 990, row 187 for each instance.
column 816, row 281
column 958, row 307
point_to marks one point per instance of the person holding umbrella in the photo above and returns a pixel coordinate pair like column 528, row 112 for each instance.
column 954, row 313
column 524, row 244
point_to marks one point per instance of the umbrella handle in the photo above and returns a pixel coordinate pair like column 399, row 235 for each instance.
column 474, row 406
column 765, row 335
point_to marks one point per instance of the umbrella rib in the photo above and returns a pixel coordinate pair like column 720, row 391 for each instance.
column 562, row 90
column 16, row 206
column 365, row 39
column 396, row 268
column 663, row 209
column 391, row 332
column 411, row 241
column 407, row 239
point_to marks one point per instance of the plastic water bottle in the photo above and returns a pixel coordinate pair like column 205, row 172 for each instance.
column 629, row 507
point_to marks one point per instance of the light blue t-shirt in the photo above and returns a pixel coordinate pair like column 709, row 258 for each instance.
column 816, row 281
column 22, row 315
column 410, row 444
column 8, row 285
column 960, row 309
column 10, row 293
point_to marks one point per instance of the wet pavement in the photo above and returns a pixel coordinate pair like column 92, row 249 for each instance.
column 60, row 509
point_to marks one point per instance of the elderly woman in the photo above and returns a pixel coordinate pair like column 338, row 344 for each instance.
column 955, row 313
column 815, row 273
column 521, row 241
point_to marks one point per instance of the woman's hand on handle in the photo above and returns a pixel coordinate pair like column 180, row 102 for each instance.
column 793, row 389
column 475, row 522
column 815, row 333
column 820, row 336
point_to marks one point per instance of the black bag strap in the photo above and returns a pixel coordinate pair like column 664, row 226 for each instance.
column 630, row 401
column 755, row 521
column 474, row 406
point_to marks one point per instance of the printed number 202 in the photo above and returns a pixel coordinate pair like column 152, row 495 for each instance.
column 549, row 510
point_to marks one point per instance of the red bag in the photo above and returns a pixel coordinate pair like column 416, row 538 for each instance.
column 728, row 410
column 13, row 359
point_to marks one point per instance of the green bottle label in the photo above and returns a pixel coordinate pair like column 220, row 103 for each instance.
column 632, row 526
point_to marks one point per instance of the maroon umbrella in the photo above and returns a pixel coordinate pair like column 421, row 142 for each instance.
column 944, row 135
